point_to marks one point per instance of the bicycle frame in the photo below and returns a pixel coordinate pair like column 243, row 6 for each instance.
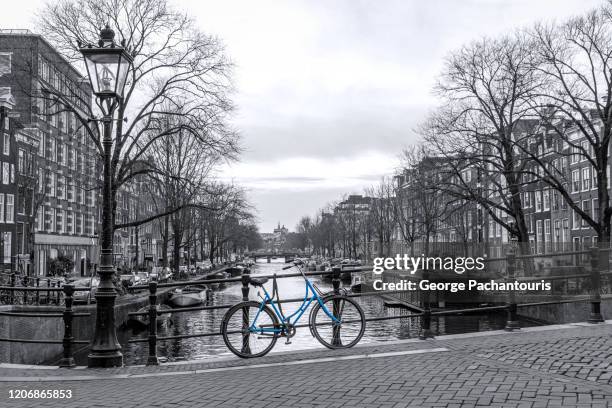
column 295, row 316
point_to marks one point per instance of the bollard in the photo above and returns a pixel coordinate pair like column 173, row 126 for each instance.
column 595, row 316
column 12, row 290
column 425, row 332
column 336, row 272
column 67, row 359
column 152, row 359
column 246, row 278
column 37, row 292
column 512, row 321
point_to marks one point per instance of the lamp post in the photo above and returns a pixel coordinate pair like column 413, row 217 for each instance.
column 107, row 68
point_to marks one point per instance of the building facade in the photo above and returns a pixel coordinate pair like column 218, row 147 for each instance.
column 64, row 185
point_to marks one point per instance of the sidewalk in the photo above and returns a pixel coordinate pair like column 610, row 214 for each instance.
column 553, row 366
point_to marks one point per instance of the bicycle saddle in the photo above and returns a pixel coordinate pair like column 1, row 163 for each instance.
column 258, row 281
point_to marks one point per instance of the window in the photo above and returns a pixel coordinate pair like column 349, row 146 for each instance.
column 53, row 220
column 575, row 181
column 595, row 209
column 52, row 184
column 72, row 224
column 575, row 220
column 70, row 189
column 41, row 181
column 7, row 247
column 538, row 201
column 21, row 161
column 6, row 146
column 1, row 207
column 586, row 207
column 10, row 208
column 6, row 173
column 547, row 229
column 61, row 182
column 594, row 175
column 5, row 63
column 52, row 151
column 546, row 194
column 40, row 225
column 586, row 179
column 575, row 155
column 12, row 173
column 557, row 230
column 585, row 150
column 80, row 224
column 64, row 221
column 41, row 145
column 565, row 233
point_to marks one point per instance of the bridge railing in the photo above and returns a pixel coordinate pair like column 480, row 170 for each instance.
column 67, row 315
column 511, row 306
column 425, row 315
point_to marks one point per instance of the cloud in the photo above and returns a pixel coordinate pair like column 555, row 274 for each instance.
column 307, row 174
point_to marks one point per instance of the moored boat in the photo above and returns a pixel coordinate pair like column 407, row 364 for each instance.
column 189, row 296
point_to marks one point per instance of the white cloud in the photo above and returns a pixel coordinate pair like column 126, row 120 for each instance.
column 308, row 173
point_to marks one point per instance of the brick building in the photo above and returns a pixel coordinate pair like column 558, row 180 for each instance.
column 65, row 189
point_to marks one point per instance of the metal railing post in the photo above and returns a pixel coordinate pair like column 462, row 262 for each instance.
column 25, row 292
column 38, row 291
column 152, row 359
column 246, row 278
column 13, row 290
column 512, row 322
column 595, row 316
column 67, row 359
column 336, row 272
column 425, row 332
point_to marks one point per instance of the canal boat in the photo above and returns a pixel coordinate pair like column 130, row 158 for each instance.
column 188, row 296
column 234, row 270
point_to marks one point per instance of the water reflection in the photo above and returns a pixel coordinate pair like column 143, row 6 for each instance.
column 206, row 321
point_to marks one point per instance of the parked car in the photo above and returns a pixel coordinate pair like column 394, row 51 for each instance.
column 160, row 274
column 87, row 297
column 142, row 278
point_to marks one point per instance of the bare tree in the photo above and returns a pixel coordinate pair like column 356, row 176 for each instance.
column 177, row 71
column 427, row 201
column 487, row 88
column 576, row 106
column 383, row 218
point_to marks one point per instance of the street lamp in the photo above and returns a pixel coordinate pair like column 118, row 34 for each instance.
column 107, row 67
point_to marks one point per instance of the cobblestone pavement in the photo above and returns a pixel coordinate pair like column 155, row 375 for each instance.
column 568, row 366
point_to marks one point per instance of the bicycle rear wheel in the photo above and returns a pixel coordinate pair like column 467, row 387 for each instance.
column 249, row 333
column 342, row 334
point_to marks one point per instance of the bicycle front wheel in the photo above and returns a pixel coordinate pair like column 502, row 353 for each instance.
column 347, row 328
column 248, row 331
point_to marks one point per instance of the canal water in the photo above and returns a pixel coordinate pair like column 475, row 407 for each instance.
column 210, row 321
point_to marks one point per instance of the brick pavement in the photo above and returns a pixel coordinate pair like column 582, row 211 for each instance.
column 569, row 366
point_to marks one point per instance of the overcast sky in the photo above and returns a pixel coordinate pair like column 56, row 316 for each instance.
column 329, row 91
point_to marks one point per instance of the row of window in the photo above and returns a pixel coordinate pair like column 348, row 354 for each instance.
column 54, row 220
column 58, row 186
column 58, row 80
column 66, row 155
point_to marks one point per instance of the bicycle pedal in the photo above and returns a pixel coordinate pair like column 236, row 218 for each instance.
column 288, row 341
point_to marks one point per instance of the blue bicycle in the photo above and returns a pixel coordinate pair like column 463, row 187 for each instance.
column 251, row 329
